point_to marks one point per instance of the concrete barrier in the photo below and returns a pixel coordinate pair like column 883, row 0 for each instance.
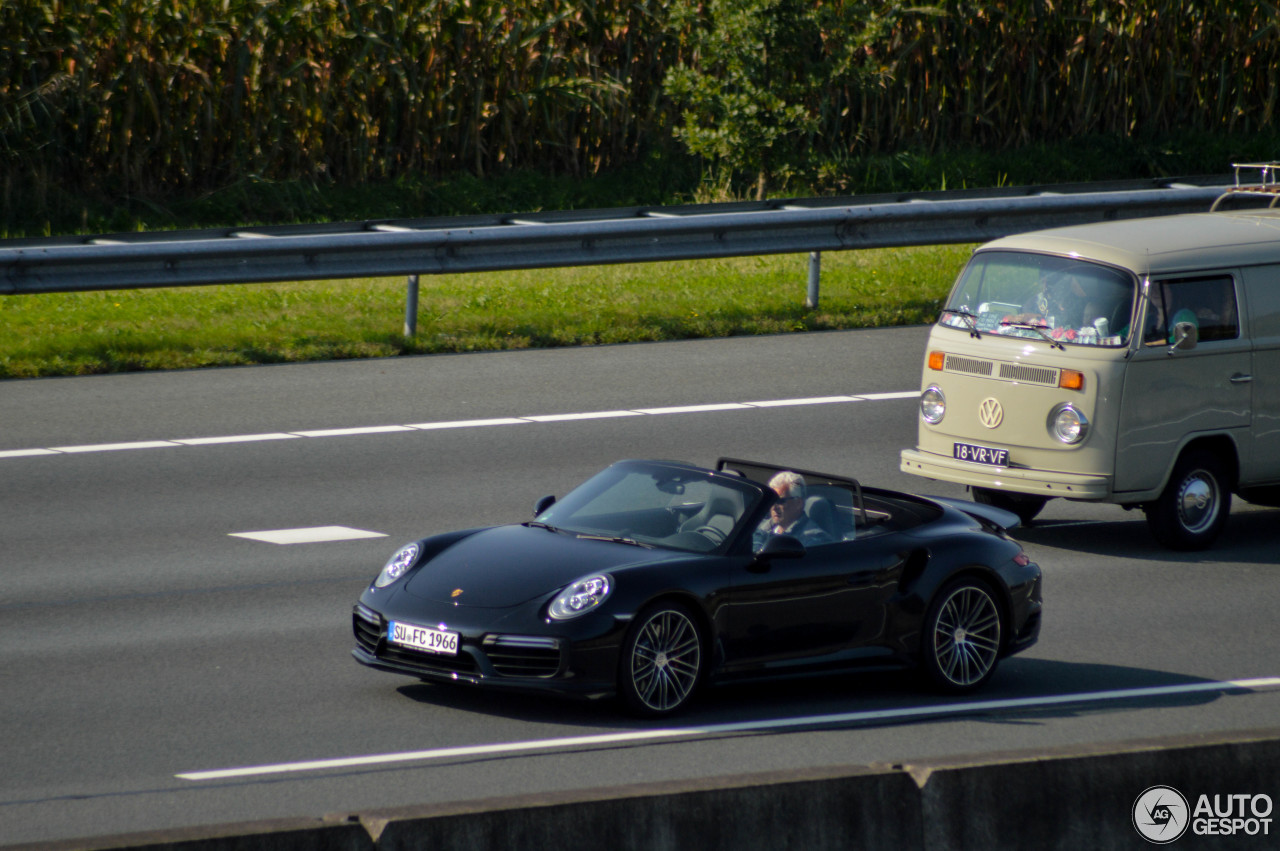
column 274, row 835
column 845, row 808
column 1083, row 796
column 1062, row 798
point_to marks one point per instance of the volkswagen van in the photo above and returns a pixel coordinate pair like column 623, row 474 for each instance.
column 1129, row 362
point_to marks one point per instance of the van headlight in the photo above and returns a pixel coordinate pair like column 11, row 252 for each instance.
column 933, row 405
column 1068, row 424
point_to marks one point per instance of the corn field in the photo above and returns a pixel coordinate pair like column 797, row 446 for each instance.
column 152, row 98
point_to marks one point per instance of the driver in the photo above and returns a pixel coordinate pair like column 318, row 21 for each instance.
column 787, row 515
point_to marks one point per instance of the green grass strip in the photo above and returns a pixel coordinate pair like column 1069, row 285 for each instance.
column 181, row 328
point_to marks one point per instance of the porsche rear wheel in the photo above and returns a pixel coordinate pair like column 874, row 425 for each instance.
column 962, row 636
column 662, row 660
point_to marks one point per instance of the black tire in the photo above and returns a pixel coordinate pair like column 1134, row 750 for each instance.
column 1026, row 506
column 662, row 660
column 963, row 636
column 1190, row 513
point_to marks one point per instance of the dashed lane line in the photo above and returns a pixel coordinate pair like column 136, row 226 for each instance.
column 308, row 535
column 543, row 419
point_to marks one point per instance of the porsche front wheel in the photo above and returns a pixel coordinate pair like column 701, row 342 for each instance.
column 662, row 660
column 962, row 636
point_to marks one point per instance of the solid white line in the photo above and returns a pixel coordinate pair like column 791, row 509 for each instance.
column 593, row 415
column 891, row 715
column 236, row 438
column 115, row 447
column 471, row 423
column 347, row 432
column 455, row 424
column 817, row 400
column 876, row 397
column 24, row 453
column 472, row 750
column 694, row 409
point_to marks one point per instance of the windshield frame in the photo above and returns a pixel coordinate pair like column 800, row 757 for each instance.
column 1071, row 300
column 671, row 479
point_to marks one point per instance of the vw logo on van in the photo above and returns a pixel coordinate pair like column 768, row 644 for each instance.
column 990, row 413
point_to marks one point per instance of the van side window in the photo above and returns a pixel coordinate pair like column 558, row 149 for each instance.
column 1208, row 303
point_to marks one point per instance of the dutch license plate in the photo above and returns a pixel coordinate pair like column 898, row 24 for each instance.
column 423, row 638
column 980, row 454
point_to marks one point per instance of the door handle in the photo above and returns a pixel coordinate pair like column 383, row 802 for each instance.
column 1241, row 378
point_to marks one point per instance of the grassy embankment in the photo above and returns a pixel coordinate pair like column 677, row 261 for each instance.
column 85, row 333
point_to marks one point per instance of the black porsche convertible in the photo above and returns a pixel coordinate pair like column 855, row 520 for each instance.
column 655, row 577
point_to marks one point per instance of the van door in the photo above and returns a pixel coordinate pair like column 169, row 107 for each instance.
column 1262, row 303
column 1169, row 394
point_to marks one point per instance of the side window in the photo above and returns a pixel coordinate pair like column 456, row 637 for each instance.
column 1208, row 303
column 830, row 508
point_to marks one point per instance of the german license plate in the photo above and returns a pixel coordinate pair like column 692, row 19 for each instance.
column 980, row 454
column 423, row 638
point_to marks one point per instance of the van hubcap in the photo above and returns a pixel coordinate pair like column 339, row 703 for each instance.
column 1198, row 502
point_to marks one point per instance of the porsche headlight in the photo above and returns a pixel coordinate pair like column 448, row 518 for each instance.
column 1068, row 424
column 397, row 565
column 581, row 597
column 933, row 405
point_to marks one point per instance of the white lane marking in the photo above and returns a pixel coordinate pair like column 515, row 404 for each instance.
column 309, row 535
column 348, row 432
column 593, row 415
column 26, row 453
column 905, row 394
column 115, row 447
column 236, row 438
column 695, row 409
column 817, row 400
column 454, row 424
column 887, row 715
column 500, row 421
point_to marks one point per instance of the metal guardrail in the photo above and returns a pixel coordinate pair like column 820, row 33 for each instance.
column 415, row 247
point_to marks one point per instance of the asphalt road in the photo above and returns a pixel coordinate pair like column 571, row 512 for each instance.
column 142, row 638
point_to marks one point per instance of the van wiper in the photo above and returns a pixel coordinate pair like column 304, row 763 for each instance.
column 1039, row 329
column 970, row 319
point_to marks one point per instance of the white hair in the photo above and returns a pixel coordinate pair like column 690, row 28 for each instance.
column 788, row 483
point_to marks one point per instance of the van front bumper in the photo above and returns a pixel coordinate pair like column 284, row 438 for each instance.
column 1046, row 483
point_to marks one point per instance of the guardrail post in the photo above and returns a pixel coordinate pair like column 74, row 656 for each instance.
column 815, row 272
column 411, row 307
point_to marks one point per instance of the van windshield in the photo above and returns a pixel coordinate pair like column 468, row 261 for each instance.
column 1040, row 296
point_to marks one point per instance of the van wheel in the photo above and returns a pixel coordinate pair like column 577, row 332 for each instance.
column 1024, row 505
column 1194, row 505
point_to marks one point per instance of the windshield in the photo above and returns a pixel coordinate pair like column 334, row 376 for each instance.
column 655, row 504
column 1061, row 299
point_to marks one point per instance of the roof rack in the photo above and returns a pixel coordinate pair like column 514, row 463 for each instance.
column 1267, row 185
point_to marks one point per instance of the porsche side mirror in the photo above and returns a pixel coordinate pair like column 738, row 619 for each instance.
column 543, row 504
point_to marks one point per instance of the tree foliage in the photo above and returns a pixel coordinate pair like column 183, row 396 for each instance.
column 162, row 100
column 757, row 76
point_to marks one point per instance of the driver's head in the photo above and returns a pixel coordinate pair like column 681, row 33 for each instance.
column 790, row 503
